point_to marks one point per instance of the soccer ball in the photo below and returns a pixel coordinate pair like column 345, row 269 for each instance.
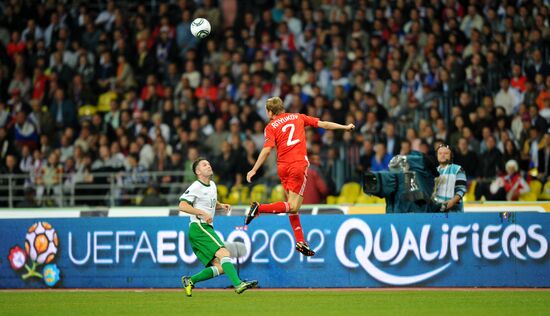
column 41, row 242
column 200, row 28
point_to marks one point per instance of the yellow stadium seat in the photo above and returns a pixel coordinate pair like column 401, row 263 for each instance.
column 222, row 193
column 277, row 194
column 258, row 192
column 533, row 195
column 245, row 195
column 233, row 197
column 545, row 194
column 87, row 110
column 349, row 193
column 379, row 200
column 137, row 200
column 528, row 197
column 470, row 195
column 365, row 199
column 536, row 187
column 104, row 103
column 331, row 199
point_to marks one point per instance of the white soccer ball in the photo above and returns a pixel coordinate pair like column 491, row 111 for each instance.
column 41, row 243
column 200, row 28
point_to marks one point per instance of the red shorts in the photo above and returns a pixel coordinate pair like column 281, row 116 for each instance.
column 293, row 176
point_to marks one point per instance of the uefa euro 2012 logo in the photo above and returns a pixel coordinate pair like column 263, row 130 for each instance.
column 41, row 244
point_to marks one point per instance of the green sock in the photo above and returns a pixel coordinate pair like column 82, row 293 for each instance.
column 207, row 273
column 230, row 271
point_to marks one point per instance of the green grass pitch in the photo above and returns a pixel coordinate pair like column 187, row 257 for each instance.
column 277, row 302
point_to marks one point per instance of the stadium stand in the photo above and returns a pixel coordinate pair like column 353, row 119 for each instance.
column 98, row 100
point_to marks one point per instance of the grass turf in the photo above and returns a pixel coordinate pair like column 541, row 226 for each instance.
column 273, row 302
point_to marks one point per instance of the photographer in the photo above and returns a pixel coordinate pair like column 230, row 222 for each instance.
column 450, row 186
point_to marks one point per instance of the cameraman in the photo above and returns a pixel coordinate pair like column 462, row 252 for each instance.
column 450, row 186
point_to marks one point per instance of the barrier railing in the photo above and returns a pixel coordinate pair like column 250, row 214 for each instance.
column 94, row 189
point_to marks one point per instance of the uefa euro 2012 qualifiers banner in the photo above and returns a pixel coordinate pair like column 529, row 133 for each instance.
column 497, row 249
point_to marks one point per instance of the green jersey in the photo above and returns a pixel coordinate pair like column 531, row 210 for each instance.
column 203, row 197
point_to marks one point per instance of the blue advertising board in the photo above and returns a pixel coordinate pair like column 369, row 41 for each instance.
column 435, row 250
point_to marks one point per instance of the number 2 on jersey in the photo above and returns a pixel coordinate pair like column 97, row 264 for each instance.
column 290, row 141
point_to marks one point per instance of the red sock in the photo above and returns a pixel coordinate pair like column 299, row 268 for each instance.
column 296, row 227
column 274, row 208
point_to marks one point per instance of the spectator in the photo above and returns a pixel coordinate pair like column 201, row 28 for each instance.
column 507, row 97
column 471, row 21
column 544, row 159
column 25, row 132
column 475, row 72
column 184, row 38
column 58, row 67
column 165, row 49
column 48, row 182
column 405, row 147
column 133, row 178
column 537, row 66
column 32, row 31
column 79, row 93
column 192, row 155
column 511, row 186
column 473, row 143
column 381, row 159
column 62, row 110
column 226, row 168
column 367, row 154
column 510, row 151
column 316, row 189
column 518, row 80
column 157, row 124
column 106, row 17
column 333, row 168
column 490, row 162
column 124, row 79
column 85, row 69
column 20, row 85
column 537, row 121
column 106, row 72
column 27, row 161
column 246, row 164
column 90, row 38
column 146, row 63
column 215, row 139
column 16, row 45
column 392, row 141
column 104, row 163
column 66, row 149
column 41, row 119
column 466, row 158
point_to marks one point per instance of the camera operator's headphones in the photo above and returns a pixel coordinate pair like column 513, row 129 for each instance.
column 445, row 146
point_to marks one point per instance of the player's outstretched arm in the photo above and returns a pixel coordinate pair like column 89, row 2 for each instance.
column 332, row 125
column 259, row 162
column 189, row 209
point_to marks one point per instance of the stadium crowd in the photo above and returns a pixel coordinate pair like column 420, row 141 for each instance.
column 123, row 86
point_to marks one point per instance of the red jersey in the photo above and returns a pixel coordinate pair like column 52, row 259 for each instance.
column 287, row 132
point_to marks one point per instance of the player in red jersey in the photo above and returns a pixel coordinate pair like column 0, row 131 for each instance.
column 286, row 131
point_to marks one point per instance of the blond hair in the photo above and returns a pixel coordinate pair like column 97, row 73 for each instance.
column 275, row 105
